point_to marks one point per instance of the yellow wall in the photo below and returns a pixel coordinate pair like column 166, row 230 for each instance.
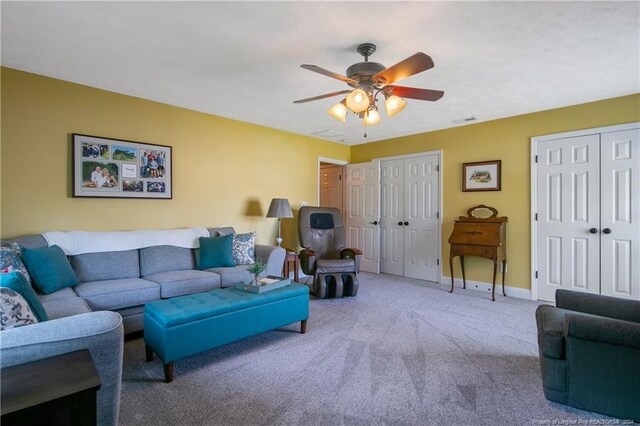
column 221, row 167
column 507, row 140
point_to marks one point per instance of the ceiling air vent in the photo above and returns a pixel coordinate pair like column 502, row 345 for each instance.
column 465, row 120
column 329, row 134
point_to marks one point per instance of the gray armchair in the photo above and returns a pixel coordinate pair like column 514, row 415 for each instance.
column 589, row 349
column 333, row 266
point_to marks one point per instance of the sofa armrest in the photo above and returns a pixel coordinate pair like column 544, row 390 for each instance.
column 602, row 329
column 272, row 257
column 99, row 332
column 595, row 304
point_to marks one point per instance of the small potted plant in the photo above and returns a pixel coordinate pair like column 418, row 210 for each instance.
column 256, row 269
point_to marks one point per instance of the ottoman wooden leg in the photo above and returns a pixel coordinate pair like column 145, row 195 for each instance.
column 303, row 326
column 149, row 353
column 168, row 372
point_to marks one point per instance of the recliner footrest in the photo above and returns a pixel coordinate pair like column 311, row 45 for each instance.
column 339, row 284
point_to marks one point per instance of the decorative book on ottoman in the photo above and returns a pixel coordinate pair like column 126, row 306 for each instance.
column 266, row 284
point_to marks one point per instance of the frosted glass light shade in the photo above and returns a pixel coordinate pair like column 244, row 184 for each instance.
column 358, row 100
column 371, row 118
column 339, row 111
column 394, row 105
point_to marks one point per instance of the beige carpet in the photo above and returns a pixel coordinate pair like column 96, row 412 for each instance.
column 401, row 352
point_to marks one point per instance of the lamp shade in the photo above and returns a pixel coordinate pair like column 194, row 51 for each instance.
column 358, row 100
column 394, row 105
column 279, row 208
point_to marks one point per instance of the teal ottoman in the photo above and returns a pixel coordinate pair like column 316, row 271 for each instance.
column 187, row 325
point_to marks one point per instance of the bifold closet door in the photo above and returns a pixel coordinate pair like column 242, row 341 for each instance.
column 620, row 214
column 588, row 207
column 392, row 217
column 409, row 221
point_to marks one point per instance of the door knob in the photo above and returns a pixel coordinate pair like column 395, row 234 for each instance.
column 406, row 224
column 593, row 230
column 606, row 231
column 399, row 223
column 375, row 222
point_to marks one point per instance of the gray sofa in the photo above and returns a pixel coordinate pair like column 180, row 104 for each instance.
column 109, row 302
column 123, row 281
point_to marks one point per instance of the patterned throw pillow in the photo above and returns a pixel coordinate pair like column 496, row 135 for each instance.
column 14, row 310
column 11, row 260
column 244, row 248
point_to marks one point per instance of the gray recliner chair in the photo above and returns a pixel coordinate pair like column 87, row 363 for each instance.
column 333, row 266
column 590, row 351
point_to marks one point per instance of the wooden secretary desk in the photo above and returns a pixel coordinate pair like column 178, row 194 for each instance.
column 480, row 233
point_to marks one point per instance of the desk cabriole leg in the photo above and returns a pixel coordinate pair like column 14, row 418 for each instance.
column 451, row 269
column 464, row 278
column 493, row 288
column 504, row 269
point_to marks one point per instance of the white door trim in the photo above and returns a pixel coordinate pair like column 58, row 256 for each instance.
column 330, row 161
column 534, row 188
column 440, row 154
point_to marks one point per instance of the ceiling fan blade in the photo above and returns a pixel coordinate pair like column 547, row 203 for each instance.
column 403, row 69
column 328, row 95
column 328, row 73
column 413, row 93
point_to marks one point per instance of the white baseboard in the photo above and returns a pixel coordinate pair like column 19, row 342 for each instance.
column 520, row 293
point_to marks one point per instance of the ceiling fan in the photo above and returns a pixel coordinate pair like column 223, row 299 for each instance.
column 369, row 79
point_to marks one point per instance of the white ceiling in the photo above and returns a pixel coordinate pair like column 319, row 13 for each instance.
column 241, row 59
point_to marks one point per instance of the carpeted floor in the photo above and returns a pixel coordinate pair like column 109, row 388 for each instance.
column 401, row 352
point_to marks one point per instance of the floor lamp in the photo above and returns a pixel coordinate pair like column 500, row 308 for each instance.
column 279, row 208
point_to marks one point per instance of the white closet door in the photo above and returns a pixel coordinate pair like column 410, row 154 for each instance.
column 421, row 224
column 391, row 217
column 362, row 213
column 568, row 203
column 620, row 213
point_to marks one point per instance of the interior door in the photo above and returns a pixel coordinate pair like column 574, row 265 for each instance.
column 331, row 186
column 392, row 217
column 568, row 246
column 620, row 214
column 362, row 216
column 421, row 224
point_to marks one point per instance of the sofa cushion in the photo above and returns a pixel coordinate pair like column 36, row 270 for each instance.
column 15, row 310
column 115, row 294
column 230, row 276
column 110, row 265
column 179, row 283
column 156, row 259
column 217, row 232
column 64, row 293
column 17, row 282
column 215, row 252
column 60, row 308
column 49, row 268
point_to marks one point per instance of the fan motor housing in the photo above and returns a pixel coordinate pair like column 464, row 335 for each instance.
column 363, row 71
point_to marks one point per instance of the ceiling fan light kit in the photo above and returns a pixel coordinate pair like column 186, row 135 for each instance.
column 369, row 79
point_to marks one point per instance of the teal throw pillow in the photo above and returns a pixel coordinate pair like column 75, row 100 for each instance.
column 17, row 282
column 49, row 268
column 216, row 252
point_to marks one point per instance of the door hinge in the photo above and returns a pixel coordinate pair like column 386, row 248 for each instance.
column 339, row 177
column 437, row 261
column 437, row 168
column 536, row 216
column 536, row 274
column 437, row 215
column 536, row 160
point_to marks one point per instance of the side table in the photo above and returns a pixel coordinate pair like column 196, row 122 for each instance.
column 60, row 390
column 291, row 256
